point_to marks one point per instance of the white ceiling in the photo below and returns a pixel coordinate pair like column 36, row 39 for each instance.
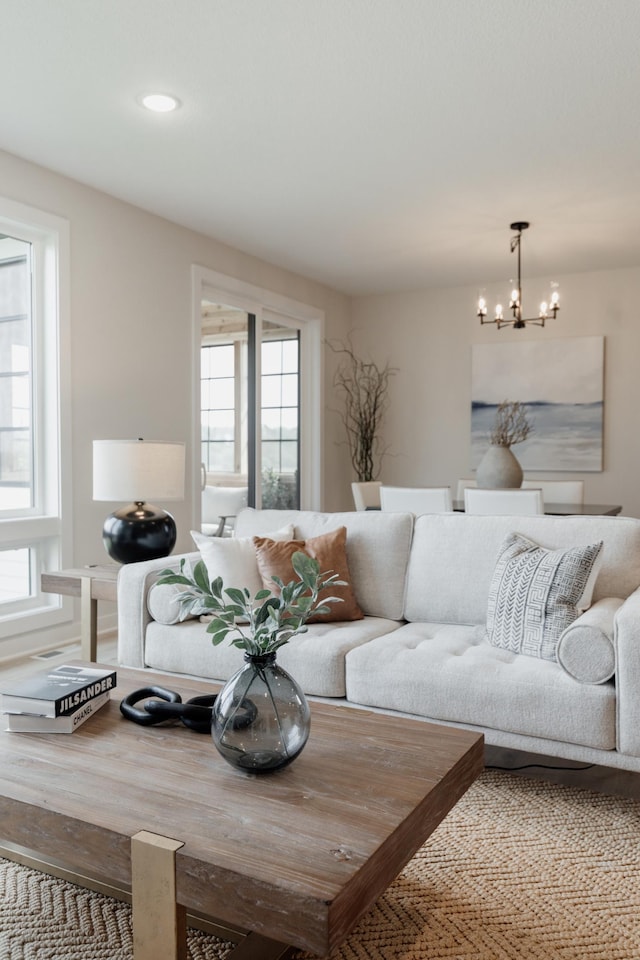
column 374, row 145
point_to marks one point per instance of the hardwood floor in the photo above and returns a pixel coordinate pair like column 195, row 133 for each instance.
column 21, row 666
column 551, row 769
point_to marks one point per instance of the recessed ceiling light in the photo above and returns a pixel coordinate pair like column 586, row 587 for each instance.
column 160, row 102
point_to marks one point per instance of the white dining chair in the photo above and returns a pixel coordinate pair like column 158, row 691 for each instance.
column 366, row 494
column 511, row 502
column 558, row 491
column 220, row 506
column 416, row 500
column 463, row 483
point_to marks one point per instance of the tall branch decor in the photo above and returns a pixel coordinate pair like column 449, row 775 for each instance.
column 511, row 424
column 364, row 386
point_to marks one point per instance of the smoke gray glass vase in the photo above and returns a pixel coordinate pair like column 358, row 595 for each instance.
column 261, row 717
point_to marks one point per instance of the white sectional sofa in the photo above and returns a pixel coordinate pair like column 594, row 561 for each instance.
column 423, row 585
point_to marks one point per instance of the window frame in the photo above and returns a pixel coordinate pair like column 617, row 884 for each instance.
column 276, row 337
column 238, row 345
column 45, row 528
column 267, row 305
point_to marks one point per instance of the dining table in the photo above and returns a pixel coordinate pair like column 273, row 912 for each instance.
column 568, row 509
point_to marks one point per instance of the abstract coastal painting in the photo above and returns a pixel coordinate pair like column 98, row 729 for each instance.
column 561, row 382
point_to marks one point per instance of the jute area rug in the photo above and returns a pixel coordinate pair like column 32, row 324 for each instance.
column 519, row 870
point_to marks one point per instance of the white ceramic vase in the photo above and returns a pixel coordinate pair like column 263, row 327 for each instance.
column 499, row 469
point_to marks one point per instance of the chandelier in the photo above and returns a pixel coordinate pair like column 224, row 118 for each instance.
column 517, row 321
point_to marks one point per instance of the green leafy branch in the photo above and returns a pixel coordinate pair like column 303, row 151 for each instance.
column 265, row 622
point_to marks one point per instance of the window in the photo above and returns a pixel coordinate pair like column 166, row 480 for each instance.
column 33, row 259
column 224, row 412
column 16, row 408
column 276, row 346
column 280, row 400
column 218, row 408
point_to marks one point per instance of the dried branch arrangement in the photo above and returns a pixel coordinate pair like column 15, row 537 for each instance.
column 511, row 424
column 364, row 387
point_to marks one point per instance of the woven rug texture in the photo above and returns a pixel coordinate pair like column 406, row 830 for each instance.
column 519, row 870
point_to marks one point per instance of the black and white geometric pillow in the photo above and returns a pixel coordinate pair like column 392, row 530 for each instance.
column 536, row 594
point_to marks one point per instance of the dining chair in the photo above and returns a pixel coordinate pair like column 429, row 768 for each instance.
column 220, row 505
column 511, row 502
column 366, row 494
column 463, row 483
column 558, row 491
column 416, row 500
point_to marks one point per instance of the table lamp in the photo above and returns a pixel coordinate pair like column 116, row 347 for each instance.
column 138, row 471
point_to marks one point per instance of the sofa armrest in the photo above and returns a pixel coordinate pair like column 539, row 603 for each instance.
column 134, row 582
column 627, row 644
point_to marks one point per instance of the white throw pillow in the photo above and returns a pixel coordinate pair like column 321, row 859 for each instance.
column 535, row 594
column 234, row 558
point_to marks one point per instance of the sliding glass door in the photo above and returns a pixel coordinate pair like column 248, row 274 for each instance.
column 249, row 411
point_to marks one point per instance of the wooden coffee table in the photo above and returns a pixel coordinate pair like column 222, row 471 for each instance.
column 294, row 857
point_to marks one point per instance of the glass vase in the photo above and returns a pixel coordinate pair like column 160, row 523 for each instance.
column 261, row 718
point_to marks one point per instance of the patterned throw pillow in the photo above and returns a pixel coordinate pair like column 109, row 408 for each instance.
column 536, row 594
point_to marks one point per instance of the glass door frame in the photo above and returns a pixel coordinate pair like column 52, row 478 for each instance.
column 211, row 285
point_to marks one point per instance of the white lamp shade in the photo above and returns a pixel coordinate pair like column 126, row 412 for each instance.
column 138, row 470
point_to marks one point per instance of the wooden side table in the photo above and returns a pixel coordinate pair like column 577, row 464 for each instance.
column 92, row 583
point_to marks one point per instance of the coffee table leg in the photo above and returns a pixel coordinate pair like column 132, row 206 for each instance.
column 88, row 622
column 159, row 922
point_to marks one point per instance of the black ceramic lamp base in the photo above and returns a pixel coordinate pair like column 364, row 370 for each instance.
column 137, row 532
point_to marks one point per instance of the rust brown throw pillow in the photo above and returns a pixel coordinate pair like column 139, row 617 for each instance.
column 329, row 549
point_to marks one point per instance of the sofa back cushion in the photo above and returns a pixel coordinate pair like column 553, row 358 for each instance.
column 377, row 546
column 453, row 557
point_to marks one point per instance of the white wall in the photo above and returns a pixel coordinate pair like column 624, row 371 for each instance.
column 131, row 335
column 428, row 335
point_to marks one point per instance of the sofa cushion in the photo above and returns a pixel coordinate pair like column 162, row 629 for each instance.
column 449, row 672
column 377, row 549
column 329, row 549
column 453, row 557
column 586, row 650
column 316, row 659
column 536, row 593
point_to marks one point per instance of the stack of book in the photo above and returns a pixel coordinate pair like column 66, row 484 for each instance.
column 58, row 700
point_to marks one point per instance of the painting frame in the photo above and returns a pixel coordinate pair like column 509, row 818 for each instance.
column 561, row 383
